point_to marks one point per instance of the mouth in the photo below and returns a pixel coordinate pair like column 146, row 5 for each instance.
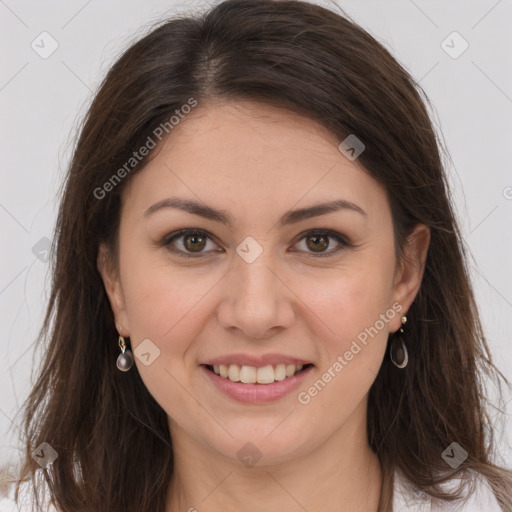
column 264, row 375
column 256, row 385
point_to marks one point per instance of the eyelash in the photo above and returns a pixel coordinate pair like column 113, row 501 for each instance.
column 168, row 239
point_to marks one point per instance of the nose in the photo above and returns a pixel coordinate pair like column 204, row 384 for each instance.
column 257, row 302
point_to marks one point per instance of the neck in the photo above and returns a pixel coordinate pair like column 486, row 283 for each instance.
column 341, row 474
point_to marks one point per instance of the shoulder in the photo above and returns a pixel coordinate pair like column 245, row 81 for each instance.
column 407, row 497
column 24, row 504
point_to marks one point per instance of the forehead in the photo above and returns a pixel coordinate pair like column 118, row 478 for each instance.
column 255, row 156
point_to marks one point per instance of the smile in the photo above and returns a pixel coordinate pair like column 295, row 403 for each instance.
column 256, row 384
column 256, row 375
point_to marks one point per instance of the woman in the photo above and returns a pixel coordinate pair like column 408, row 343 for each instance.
column 260, row 298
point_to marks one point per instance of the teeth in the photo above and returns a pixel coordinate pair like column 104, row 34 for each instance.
column 280, row 372
column 234, row 373
column 248, row 374
column 251, row 374
column 265, row 375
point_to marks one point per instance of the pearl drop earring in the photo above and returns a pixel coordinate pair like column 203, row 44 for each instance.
column 124, row 361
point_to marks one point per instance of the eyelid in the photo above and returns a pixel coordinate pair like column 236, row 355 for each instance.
column 168, row 239
column 344, row 242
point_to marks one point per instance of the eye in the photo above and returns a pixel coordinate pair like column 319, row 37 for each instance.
column 318, row 241
column 194, row 241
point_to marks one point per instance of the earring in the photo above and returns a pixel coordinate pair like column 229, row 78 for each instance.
column 125, row 359
column 398, row 350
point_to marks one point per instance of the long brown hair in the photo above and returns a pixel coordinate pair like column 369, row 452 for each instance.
column 112, row 438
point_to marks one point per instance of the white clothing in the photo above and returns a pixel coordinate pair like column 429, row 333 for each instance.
column 406, row 499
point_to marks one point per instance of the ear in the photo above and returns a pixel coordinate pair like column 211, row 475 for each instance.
column 113, row 288
column 409, row 275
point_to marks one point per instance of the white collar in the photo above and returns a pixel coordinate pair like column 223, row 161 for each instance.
column 408, row 498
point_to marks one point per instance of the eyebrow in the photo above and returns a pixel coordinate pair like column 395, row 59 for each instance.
column 290, row 217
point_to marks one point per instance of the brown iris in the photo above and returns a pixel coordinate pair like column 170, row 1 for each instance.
column 319, row 242
column 197, row 241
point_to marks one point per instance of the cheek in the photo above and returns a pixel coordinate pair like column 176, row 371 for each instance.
column 162, row 300
column 165, row 304
column 352, row 298
column 355, row 307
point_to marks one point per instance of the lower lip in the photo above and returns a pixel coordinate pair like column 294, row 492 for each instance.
column 257, row 393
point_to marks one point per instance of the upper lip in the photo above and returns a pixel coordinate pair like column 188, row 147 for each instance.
column 255, row 360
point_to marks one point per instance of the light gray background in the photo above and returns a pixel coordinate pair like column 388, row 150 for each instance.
column 41, row 100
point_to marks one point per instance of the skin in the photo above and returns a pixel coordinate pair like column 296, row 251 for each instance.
column 257, row 162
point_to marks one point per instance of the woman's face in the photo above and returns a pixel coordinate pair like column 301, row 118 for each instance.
column 264, row 291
